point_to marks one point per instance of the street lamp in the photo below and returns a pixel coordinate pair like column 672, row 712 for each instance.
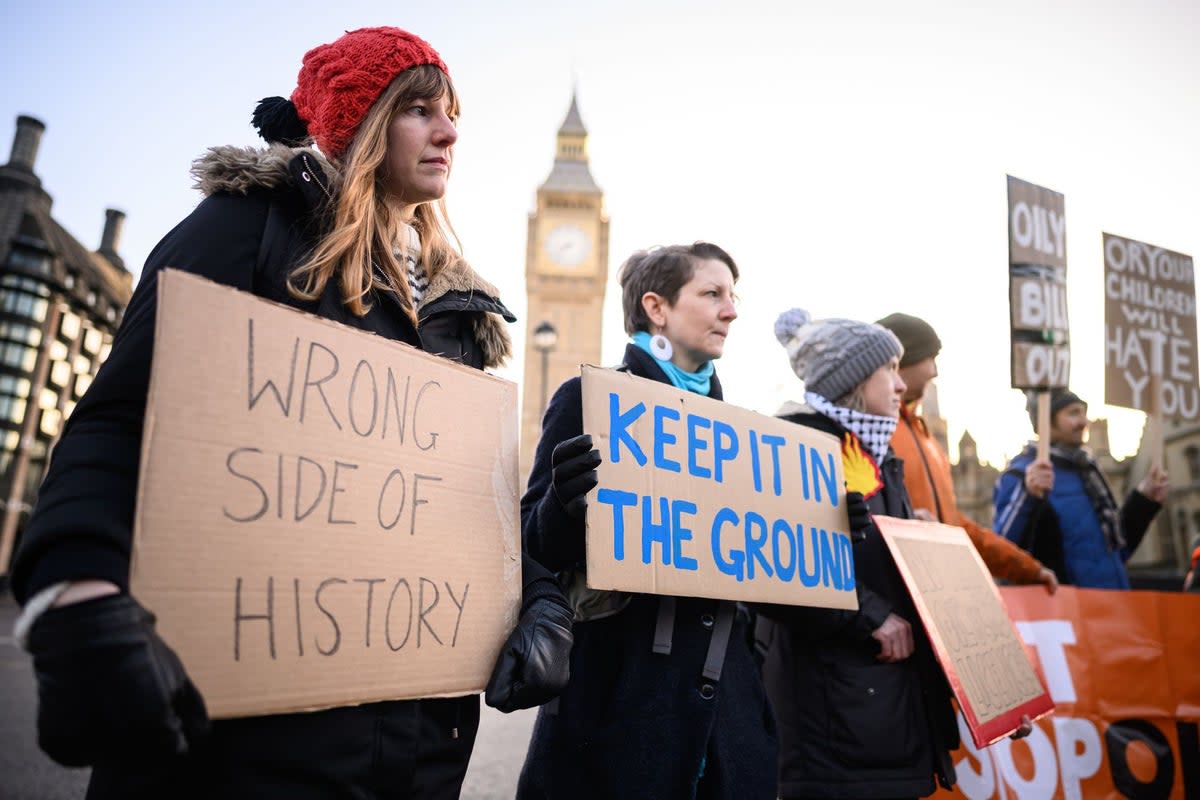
column 545, row 337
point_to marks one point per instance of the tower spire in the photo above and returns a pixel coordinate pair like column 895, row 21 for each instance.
column 573, row 124
column 570, row 171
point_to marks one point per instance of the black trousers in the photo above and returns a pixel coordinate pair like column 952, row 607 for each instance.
column 397, row 749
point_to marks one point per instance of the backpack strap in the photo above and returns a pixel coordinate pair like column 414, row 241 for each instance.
column 664, row 627
column 718, row 645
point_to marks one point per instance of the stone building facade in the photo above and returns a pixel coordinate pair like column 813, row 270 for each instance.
column 60, row 304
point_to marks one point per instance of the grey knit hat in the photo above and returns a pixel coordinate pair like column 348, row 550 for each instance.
column 833, row 356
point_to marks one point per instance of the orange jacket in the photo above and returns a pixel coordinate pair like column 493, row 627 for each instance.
column 930, row 485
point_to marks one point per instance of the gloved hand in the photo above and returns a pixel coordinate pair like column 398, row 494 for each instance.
column 535, row 662
column 574, row 465
column 109, row 689
column 860, row 516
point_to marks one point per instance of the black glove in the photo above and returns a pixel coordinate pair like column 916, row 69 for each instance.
column 860, row 516
column 535, row 662
column 574, row 465
column 109, row 689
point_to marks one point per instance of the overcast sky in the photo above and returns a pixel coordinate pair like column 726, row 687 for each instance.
column 851, row 156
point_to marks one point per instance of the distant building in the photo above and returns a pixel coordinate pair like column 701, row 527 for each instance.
column 973, row 482
column 60, row 304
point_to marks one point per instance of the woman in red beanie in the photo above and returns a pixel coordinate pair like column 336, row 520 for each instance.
column 352, row 231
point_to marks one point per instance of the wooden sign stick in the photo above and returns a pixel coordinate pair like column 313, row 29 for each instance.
column 1043, row 431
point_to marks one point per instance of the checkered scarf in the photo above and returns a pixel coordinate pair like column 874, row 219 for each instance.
column 873, row 431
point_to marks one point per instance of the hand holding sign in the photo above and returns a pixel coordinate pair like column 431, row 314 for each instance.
column 860, row 515
column 109, row 687
column 535, row 663
column 574, row 463
column 1039, row 478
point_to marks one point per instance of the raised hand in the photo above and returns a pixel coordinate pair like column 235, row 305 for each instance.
column 574, row 463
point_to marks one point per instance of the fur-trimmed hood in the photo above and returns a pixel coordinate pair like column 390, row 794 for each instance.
column 459, row 285
column 240, row 170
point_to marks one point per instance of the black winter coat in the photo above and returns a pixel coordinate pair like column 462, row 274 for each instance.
column 263, row 213
column 634, row 723
column 850, row 726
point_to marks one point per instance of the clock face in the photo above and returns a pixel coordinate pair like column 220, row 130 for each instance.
column 568, row 245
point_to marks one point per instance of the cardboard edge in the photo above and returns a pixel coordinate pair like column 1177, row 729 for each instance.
column 184, row 278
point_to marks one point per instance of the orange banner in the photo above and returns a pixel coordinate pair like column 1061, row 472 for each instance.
column 1123, row 669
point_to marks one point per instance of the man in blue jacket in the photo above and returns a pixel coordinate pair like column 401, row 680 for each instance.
column 1064, row 512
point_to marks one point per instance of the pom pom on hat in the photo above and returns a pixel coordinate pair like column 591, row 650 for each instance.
column 277, row 121
column 789, row 322
column 833, row 356
column 340, row 81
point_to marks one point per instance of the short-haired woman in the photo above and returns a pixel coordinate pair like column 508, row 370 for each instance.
column 665, row 698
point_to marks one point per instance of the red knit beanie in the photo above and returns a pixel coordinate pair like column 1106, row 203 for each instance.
column 340, row 81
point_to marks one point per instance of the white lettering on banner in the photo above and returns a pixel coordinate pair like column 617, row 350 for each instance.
column 1045, row 766
column 1039, row 229
column 979, row 785
column 1075, row 756
column 1079, row 753
column 1048, row 637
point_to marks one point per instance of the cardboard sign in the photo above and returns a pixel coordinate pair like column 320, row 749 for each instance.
column 968, row 626
column 325, row 517
column 700, row 498
column 1149, row 329
column 1121, row 669
column 1037, row 280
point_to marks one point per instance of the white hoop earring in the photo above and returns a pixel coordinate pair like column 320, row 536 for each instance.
column 660, row 347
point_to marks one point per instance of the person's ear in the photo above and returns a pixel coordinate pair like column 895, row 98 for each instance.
column 654, row 304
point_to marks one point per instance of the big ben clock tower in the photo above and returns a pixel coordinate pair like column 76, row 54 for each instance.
column 566, row 268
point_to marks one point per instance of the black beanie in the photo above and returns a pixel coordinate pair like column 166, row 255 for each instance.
column 1059, row 399
column 918, row 337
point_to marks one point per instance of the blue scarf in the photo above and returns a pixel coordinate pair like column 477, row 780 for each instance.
column 699, row 381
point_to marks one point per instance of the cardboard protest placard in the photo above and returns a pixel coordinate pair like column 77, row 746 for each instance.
column 700, row 498
column 1037, row 282
column 972, row 636
column 325, row 517
column 1149, row 329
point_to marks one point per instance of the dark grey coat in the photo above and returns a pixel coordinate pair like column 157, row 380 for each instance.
column 633, row 723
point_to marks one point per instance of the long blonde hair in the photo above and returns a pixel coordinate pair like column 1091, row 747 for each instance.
column 361, row 225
